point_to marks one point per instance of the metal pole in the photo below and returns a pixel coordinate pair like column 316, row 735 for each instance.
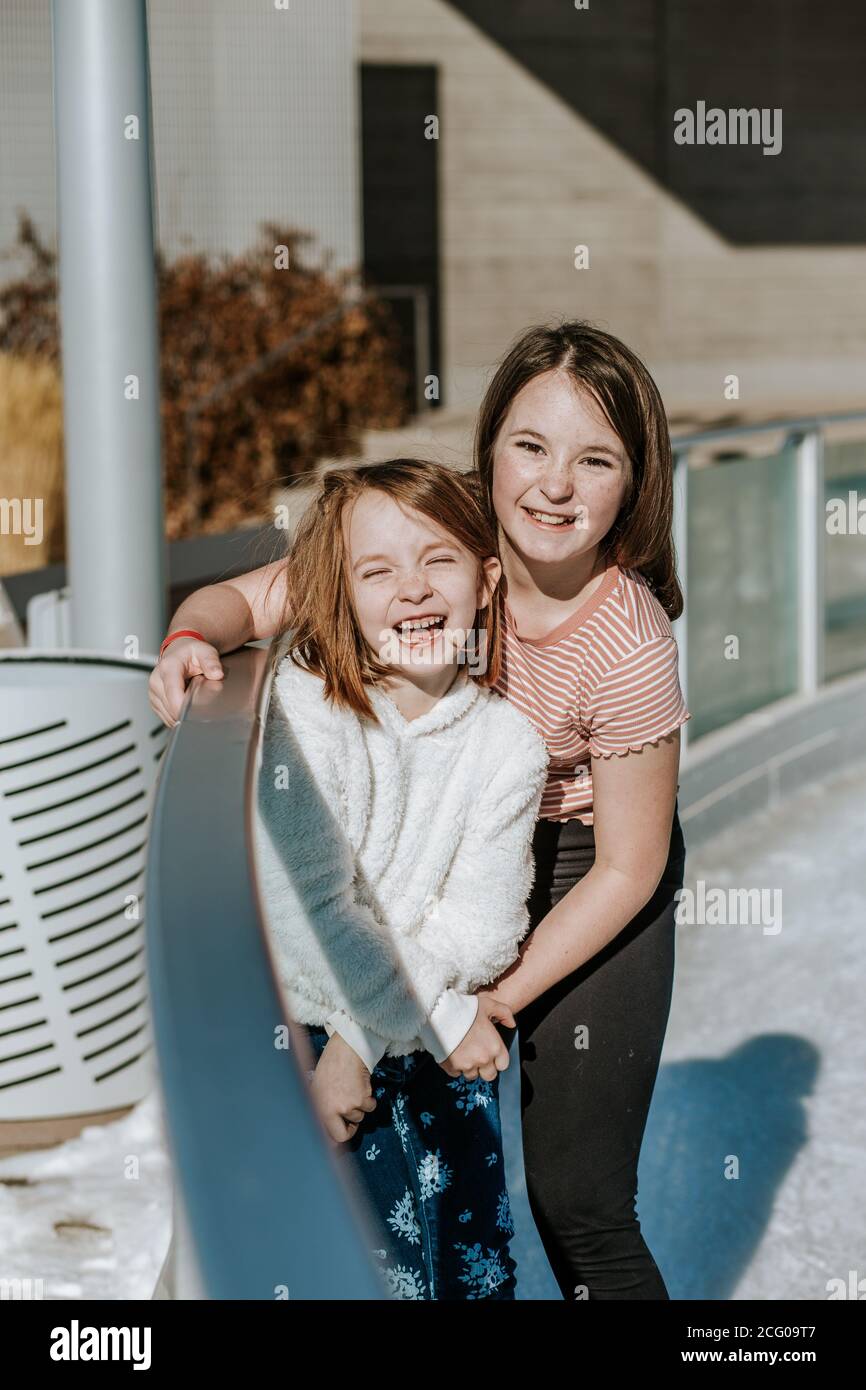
column 116, row 550
column 681, row 547
column 808, row 460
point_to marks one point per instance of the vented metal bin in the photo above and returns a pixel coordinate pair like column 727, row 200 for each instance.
column 79, row 755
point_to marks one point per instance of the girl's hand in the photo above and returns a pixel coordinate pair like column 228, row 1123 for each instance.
column 341, row 1089
column 184, row 658
column 482, row 1053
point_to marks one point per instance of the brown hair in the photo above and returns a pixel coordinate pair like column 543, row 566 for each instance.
column 640, row 538
column 319, row 609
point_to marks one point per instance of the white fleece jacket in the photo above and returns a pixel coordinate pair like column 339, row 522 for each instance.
column 395, row 858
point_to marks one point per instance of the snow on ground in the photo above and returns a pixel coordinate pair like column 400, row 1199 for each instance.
column 763, row 1064
column 90, row 1218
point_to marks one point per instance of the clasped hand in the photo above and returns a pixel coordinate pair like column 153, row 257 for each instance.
column 341, row 1085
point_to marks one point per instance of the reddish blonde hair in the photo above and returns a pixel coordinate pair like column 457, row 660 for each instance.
column 319, row 611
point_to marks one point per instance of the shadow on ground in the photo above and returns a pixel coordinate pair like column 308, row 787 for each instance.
column 742, row 1113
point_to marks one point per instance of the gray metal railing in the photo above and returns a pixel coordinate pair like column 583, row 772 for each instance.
column 265, row 1206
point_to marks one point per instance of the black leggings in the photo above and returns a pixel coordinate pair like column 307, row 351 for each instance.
column 589, row 1056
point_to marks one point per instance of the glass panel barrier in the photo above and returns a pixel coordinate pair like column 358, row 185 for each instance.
column 742, row 614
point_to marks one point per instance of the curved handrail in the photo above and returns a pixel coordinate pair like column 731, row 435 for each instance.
column 793, row 425
column 269, row 1211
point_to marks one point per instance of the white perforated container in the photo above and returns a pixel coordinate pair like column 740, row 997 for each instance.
column 79, row 755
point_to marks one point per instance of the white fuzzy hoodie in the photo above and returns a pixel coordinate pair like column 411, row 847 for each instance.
column 395, row 858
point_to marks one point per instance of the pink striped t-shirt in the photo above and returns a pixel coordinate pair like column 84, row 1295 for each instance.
column 603, row 682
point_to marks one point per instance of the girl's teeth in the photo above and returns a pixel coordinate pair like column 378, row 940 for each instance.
column 420, row 624
column 548, row 516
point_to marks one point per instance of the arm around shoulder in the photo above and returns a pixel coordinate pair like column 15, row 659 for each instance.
column 265, row 593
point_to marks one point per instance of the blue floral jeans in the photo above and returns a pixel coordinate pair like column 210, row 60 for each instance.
column 429, row 1161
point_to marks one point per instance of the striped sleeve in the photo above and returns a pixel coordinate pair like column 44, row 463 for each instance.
column 637, row 700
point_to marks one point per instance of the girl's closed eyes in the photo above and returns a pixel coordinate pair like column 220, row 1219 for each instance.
column 439, row 560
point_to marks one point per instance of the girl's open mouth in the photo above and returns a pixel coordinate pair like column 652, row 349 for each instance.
column 551, row 521
column 419, row 632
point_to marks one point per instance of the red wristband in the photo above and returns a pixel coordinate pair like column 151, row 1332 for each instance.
column 181, row 632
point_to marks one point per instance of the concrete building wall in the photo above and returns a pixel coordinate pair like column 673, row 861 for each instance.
column 524, row 179
column 254, row 119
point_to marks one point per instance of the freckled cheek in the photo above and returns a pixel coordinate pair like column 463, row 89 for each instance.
column 458, row 592
column 510, row 480
column 372, row 614
column 603, row 499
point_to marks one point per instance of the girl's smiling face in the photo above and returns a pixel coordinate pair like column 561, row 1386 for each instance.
column 416, row 589
column 560, row 472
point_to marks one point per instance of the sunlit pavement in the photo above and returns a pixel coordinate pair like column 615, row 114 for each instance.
column 763, row 1071
column 764, row 1064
